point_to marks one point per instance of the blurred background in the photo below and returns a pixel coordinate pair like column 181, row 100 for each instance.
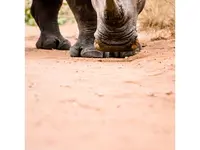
column 157, row 18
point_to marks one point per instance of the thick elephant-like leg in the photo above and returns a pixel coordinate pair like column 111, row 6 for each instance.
column 86, row 19
column 45, row 13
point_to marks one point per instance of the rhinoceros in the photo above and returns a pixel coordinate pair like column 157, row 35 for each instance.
column 106, row 27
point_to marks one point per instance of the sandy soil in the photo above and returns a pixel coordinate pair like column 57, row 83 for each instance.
column 99, row 104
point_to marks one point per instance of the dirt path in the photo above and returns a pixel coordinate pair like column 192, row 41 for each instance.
column 99, row 104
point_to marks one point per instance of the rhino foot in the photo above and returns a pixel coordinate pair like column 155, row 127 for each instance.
column 81, row 49
column 136, row 49
column 53, row 42
column 121, row 54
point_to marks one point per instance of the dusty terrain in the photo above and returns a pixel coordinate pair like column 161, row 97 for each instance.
column 99, row 104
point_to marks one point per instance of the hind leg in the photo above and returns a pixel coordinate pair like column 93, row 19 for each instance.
column 45, row 13
column 86, row 19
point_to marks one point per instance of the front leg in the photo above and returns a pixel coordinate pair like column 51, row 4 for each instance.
column 136, row 49
column 45, row 13
column 84, row 47
column 86, row 19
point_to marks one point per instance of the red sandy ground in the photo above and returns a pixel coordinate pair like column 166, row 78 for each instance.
column 99, row 104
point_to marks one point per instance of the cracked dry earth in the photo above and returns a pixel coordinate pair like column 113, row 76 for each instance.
column 99, row 104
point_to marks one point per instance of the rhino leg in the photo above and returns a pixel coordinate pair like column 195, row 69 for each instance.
column 86, row 19
column 45, row 13
column 136, row 49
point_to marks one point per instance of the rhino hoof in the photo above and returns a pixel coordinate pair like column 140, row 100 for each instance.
column 122, row 54
column 91, row 53
column 53, row 42
column 88, row 51
column 135, row 49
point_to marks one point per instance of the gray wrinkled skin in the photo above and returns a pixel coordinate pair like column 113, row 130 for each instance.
column 110, row 24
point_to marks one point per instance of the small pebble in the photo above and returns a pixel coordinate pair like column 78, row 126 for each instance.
column 151, row 94
column 169, row 93
column 99, row 94
column 67, row 86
